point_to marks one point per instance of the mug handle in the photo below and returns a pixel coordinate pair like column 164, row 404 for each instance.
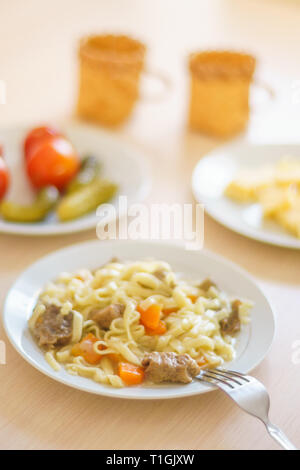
column 166, row 86
column 269, row 91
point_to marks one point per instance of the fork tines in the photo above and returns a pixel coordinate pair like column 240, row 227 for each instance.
column 221, row 376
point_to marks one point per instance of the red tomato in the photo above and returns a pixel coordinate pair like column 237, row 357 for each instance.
column 4, row 178
column 52, row 162
column 35, row 136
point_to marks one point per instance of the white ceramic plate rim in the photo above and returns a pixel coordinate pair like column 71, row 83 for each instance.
column 145, row 392
column 91, row 221
column 247, row 231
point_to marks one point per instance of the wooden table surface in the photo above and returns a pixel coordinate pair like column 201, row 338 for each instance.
column 38, row 64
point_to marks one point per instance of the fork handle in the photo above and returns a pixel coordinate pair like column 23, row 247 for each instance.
column 280, row 437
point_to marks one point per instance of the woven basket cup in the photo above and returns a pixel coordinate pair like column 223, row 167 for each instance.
column 110, row 70
column 219, row 92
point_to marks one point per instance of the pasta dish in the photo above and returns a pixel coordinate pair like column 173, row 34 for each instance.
column 130, row 322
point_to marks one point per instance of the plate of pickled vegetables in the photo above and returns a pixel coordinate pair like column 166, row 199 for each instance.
column 53, row 179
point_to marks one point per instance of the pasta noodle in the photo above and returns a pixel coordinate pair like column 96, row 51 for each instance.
column 192, row 317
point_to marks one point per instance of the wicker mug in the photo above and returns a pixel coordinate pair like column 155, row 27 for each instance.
column 219, row 92
column 109, row 83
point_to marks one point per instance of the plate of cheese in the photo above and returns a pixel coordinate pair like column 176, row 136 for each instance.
column 253, row 190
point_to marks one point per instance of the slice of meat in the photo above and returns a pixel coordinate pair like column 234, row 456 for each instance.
column 104, row 316
column 206, row 285
column 232, row 324
column 169, row 367
column 52, row 329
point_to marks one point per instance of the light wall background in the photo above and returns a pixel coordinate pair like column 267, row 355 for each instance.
column 38, row 44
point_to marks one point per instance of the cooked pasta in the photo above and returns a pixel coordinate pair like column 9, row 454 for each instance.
column 192, row 319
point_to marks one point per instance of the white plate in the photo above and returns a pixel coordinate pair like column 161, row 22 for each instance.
column 218, row 168
column 254, row 341
column 121, row 163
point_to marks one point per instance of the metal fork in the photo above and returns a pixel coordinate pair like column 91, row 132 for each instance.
column 250, row 395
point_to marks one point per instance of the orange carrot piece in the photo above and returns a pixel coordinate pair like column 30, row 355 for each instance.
column 168, row 311
column 160, row 330
column 202, row 362
column 193, row 298
column 114, row 357
column 130, row 374
column 150, row 317
column 76, row 350
column 86, row 349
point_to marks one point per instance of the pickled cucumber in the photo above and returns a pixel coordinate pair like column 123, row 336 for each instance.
column 89, row 171
column 35, row 212
column 85, row 200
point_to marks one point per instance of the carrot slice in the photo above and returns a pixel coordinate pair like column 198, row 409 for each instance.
column 168, row 311
column 193, row 298
column 160, row 330
column 130, row 374
column 202, row 362
column 151, row 316
column 114, row 357
column 86, row 349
